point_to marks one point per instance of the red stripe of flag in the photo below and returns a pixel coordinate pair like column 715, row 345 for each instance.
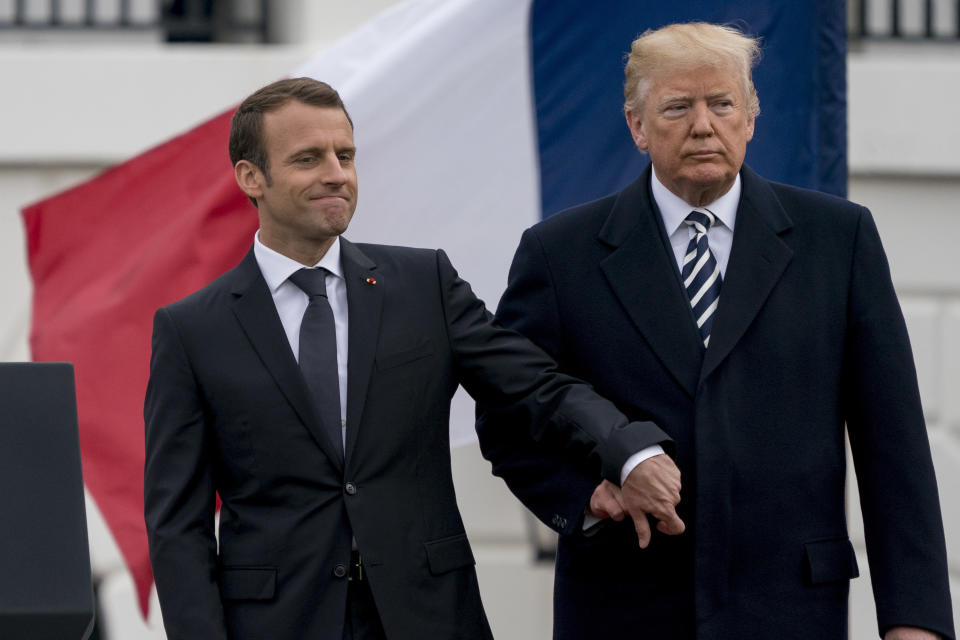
column 103, row 257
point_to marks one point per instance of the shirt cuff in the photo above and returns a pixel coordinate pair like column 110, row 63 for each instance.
column 628, row 466
column 637, row 458
column 589, row 521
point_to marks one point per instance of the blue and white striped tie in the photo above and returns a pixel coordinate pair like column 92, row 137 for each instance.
column 701, row 273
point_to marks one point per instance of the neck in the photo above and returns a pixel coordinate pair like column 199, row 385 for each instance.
column 703, row 197
column 303, row 250
column 696, row 195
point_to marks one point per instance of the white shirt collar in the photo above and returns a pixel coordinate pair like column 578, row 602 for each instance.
column 675, row 209
column 276, row 267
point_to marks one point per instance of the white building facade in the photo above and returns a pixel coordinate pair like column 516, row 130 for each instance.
column 76, row 101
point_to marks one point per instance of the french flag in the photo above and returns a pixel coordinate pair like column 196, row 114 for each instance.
column 474, row 119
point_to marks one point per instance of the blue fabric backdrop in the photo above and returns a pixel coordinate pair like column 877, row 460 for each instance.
column 578, row 53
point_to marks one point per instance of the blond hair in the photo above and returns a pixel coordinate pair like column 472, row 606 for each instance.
column 677, row 47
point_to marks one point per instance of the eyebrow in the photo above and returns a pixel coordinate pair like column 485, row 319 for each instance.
column 677, row 97
column 720, row 94
column 351, row 149
column 686, row 97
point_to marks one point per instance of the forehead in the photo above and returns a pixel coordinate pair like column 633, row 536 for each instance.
column 296, row 123
column 696, row 80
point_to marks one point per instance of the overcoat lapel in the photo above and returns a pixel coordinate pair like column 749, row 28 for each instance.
column 257, row 314
column 643, row 274
column 758, row 258
column 364, row 303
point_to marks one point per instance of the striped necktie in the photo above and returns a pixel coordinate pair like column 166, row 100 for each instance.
column 701, row 273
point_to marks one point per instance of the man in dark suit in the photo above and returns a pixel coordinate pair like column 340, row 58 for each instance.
column 338, row 516
column 752, row 322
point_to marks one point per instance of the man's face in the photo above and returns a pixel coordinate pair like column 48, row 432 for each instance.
column 695, row 125
column 311, row 192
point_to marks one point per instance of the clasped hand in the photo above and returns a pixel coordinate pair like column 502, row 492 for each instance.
column 652, row 488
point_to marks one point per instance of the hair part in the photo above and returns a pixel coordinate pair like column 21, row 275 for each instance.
column 246, row 127
column 688, row 46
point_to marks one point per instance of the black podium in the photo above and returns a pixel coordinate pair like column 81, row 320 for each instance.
column 46, row 591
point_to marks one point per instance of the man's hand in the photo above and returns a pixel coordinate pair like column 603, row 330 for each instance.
column 607, row 502
column 653, row 487
column 909, row 633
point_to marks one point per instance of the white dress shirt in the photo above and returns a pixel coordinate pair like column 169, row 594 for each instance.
column 674, row 211
column 292, row 302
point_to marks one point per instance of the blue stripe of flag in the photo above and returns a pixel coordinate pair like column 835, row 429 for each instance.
column 578, row 51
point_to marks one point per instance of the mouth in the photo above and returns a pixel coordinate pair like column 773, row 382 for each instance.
column 704, row 154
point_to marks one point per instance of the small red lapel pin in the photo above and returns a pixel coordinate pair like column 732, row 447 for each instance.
column 370, row 280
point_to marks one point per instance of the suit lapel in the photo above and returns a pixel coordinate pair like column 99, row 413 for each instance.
column 364, row 303
column 255, row 310
column 644, row 277
column 757, row 260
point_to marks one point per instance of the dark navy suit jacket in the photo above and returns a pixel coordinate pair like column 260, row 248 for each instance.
column 228, row 413
column 808, row 339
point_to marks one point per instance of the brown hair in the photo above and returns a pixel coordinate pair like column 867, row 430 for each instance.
column 246, row 127
column 684, row 46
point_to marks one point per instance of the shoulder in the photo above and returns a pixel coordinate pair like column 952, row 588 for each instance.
column 597, row 221
column 815, row 218
column 412, row 265
column 790, row 194
column 820, row 224
column 807, row 204
column 571, row 233
column 215, row 293
column 386, row 253
column 580, row 219
column 386, row 258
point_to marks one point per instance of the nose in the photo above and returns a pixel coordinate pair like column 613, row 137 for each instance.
column 702, row 123
column 332, row 172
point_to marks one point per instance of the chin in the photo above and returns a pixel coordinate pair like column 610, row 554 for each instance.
column 711, row 177
column 333, row 217
column 336, row 227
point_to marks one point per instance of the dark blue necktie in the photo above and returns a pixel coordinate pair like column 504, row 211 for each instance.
column 701, row 273
column 318, row 351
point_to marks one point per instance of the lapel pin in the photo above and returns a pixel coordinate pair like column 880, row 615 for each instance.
column 370, row 280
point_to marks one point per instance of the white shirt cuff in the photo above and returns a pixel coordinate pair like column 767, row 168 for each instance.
column 589, row 521
column 637, row 458
column 628, row 466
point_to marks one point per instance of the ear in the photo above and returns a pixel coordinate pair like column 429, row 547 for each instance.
column 249, row 178
column 751, row 120
column 635, row 124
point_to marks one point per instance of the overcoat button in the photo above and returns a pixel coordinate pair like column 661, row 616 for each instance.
column 351, row 489
column 340, row 571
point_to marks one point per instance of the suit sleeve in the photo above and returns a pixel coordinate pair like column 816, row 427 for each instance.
column 553, row 479
column 179, row 494
column 888, row 438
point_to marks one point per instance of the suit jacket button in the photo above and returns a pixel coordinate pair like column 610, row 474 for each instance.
column 350, row 488
column 340, row 571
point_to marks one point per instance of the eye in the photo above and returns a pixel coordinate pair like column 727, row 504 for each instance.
column 675, row 110
column 723, row 106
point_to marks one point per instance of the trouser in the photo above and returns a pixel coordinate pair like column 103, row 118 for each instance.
column 363, row 621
